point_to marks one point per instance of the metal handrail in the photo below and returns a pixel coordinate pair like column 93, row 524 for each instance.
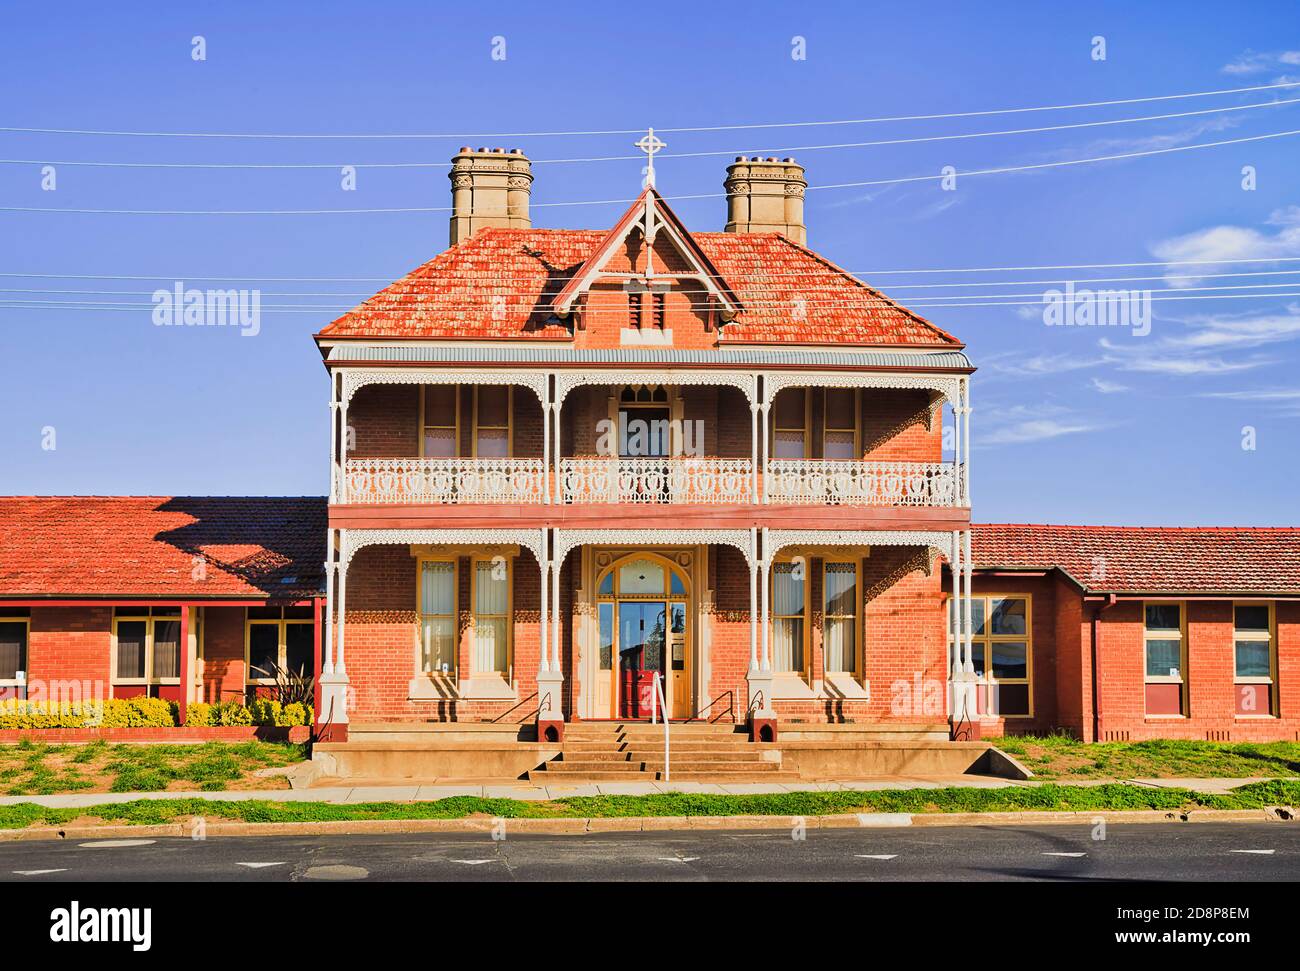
column 656, row 699
column 731, row 707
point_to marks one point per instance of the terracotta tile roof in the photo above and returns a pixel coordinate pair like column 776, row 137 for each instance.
column 500, row 283
column 146, row 546
column 1149, row 559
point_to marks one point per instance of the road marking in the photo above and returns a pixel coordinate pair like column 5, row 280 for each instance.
column 876, row 856
column 107, row 844
column 258, row 866
column 37, row 873
column 473, row 862
column 1260, row 852
column 1065, row 854
column 679, row 859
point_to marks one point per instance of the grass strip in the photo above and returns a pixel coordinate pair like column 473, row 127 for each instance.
column 1052, row 798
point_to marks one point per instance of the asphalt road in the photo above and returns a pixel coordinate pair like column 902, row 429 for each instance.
column 1175, row 852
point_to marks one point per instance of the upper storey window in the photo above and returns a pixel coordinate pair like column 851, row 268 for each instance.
column 492, row 420
column 489, row 417
column 839, row 436
column 441, row 420
column 790, row 421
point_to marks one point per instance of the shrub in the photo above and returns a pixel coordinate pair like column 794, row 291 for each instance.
column 109, row 713
column 144, row 712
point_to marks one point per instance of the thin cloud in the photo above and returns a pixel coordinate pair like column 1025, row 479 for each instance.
column 1227, row 243
column 1023, row 424
column 1102, row 386
column 1259, row 62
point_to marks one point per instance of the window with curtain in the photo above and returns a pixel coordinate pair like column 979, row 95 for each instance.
column 839, row 438
column 491, row 616
column 441, row 419
column 132, row 644
column 492, row 421
column 438, row 617
column 788, row 603
column 13, row 649
column 840, row 616
column 790, row 424
column 166, row 661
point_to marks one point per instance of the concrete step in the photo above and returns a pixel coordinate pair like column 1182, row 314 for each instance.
column 652, row 755
column 678, row 775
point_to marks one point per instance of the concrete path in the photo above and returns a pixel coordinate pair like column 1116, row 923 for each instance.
column 398, row 792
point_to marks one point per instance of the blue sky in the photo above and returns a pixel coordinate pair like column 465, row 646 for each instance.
column 1071, row 424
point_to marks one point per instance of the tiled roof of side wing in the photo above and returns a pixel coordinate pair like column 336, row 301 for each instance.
column 159, row 546
column 500, row 283
column 1149, row 559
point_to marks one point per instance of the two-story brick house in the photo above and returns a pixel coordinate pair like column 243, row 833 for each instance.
column 566, row 461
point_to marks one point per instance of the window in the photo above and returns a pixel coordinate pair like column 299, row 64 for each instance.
column 280, row 638
column 1254, row 658
column 1165, row 642
column 788, row 626
column 441, row 434
column 13, row 648
column 790, row 424
column 147, row 646
column 492, row 409
column 438, row 617
column 840, row 617
column 1001, row 653
column 840, row 431
column 492, row 616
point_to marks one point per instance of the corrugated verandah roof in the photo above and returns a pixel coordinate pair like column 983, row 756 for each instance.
column 790, row 295
column 1149, row 559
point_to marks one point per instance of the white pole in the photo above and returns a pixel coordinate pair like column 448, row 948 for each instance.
column 339, row 666
column 546, row 441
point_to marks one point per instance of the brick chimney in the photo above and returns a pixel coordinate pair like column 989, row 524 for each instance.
column 765, row 195
column 489, row 187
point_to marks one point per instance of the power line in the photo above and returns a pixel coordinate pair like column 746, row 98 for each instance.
column 626, row 158
column 637, row 131
column 800, row 273
column 626, row 202
column 136, row 308
column 367, row 295
column 811, row 303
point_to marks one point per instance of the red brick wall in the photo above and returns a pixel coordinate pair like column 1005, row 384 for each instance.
column 70, row 644
column 1211, row 691
column 903, row 639
column 224, row 668
column 382, row 636
column 894, row 426
column 385, row 420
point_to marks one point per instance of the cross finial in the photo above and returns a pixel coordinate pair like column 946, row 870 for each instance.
column 650, row 143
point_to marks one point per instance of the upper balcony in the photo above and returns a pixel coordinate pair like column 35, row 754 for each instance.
column 590, row 440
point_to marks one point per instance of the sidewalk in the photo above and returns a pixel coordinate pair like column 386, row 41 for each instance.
column 516, row 790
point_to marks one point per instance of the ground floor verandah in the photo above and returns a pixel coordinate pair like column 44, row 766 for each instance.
column 554, row 626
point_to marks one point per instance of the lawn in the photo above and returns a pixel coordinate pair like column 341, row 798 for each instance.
column 37, row 768
column 1060, row 757
column 1052, row 797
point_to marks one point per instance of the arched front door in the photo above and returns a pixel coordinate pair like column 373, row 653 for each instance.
column 642, row 602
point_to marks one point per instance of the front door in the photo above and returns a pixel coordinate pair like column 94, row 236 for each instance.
column 642, row 629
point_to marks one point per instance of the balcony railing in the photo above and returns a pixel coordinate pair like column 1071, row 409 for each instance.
column 657, row 480
column 445, row 480
column 681, row 481
column 863, row 483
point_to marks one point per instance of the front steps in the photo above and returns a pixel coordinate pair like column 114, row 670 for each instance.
column 634, row 752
